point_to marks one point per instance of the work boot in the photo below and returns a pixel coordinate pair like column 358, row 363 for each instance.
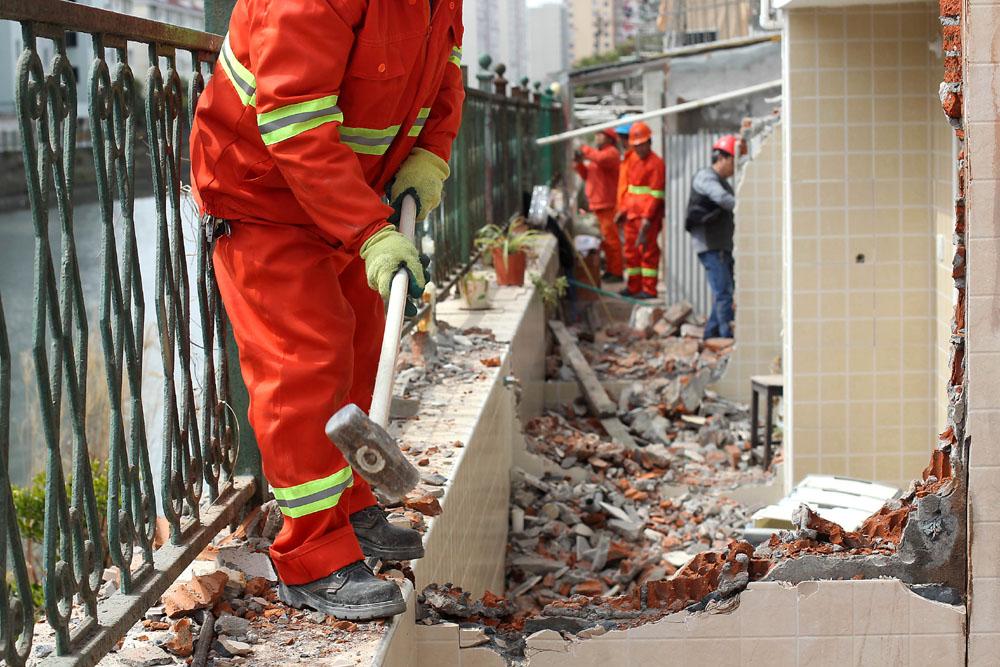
column 351, row 593
column 626, row 292
column 644, row 295
column 609, row 277
column 380, row 539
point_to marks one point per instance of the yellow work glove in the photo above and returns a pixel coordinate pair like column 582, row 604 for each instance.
column 385, row 252
column 421, row 175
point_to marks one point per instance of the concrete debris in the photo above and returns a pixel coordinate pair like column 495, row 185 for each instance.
column 232, row 626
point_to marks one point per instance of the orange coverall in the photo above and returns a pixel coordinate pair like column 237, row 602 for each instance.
column 600, row 171
column 643, row 198
column 312, row 109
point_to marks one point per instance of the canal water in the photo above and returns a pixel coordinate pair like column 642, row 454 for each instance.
column 17, row 249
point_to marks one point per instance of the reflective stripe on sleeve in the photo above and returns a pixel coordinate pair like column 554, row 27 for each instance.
column 241, row 78
column 645, row 190
column 368, row 141
column 294, row 119
column 456, row 56
column 633, row 271
column 314, row 496
column 418, row 124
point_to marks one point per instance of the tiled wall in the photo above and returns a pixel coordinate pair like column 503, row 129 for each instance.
column 861, row 111
column 875, row 623
column 982, row 109
column 758, row 270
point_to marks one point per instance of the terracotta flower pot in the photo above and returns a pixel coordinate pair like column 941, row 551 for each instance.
column 511, row 271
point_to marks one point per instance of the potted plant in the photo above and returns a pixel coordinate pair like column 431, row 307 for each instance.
column 475, row 289
column 508, row 250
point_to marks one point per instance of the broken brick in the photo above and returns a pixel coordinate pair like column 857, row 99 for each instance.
column 426, row 504
column 201, row 592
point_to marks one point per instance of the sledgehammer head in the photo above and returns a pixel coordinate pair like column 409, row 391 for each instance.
column 372, row 452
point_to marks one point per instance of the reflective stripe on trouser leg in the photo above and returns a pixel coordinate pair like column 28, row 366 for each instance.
column 650, row 261
column 633, row 256
column 299, row 370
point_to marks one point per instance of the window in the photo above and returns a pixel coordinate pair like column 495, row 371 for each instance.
column 70, row 39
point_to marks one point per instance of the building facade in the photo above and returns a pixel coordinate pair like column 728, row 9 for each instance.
column 548, row 41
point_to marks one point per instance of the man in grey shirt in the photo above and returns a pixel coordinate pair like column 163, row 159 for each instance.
column 711, row 224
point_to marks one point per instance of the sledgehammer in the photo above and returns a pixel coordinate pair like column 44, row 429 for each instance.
column 363, row 440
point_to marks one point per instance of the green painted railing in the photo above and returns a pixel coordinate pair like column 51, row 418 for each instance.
column 210, row 470
column 495, row 164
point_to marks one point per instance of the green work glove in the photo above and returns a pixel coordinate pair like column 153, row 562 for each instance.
column 422, row 175
column 384, row 253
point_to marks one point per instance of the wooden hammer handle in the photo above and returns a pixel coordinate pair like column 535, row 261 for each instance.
column 382, row 396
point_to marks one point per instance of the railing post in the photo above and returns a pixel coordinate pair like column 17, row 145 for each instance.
column 500, row 83
column 485, row 81
column 484, row 77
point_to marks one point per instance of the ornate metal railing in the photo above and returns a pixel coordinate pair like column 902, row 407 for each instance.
column 210, row 470
column 494, row 162
column 198, row 490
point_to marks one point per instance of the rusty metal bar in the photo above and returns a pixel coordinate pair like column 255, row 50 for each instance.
column 81, row 18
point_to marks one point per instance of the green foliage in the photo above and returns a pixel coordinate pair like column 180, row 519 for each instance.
column 29, row 505
column 623, row 50
column 37, row 595
column 29, row 501
column 494, row 236
column 551, row 292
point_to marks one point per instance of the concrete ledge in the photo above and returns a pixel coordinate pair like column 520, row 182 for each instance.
column 467, row 544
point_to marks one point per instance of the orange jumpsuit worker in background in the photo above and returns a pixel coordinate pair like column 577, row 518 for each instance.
column 598, row 166
column 315, row 111
column 643, row 207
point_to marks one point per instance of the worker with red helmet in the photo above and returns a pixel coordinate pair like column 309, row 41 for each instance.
column 315, row 112
column 711, row 224
column 642, row 208
column 598, row 166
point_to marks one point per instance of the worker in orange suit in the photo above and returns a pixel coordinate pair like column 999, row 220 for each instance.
column 642, row 207
column 315, row 113
column 598, row 166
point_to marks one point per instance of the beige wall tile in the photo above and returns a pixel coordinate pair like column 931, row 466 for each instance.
column 985, row 539
column 768, row 651
column 984, row 606
column 983, row 650
column 981, row 42
column 768, row 610
column 825, row 608
column 825, row 651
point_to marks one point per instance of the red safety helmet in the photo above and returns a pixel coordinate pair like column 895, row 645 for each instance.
column 728, row 143
column 639, row 133
column 609, row 132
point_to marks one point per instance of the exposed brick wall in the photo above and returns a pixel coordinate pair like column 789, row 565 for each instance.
column 951, row 92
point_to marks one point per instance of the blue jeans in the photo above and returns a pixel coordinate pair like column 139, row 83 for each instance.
column 719, row 268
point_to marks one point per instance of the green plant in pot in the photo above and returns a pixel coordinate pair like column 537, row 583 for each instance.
column 509, row 251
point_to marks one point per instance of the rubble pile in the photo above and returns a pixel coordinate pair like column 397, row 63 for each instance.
column 624, row 523
column 448, row 356
column 655, row 341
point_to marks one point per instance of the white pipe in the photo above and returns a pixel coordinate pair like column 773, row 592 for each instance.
column 765, row 20
column 657, row 113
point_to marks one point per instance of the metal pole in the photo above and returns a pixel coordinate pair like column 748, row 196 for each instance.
column 667, row 111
